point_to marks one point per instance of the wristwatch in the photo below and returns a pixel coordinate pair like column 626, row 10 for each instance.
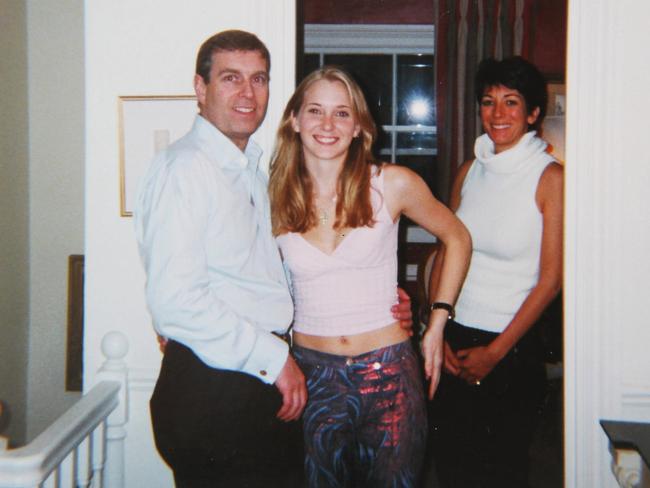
column 449, row 308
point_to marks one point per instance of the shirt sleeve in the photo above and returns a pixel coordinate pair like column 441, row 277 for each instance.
column 172, row 213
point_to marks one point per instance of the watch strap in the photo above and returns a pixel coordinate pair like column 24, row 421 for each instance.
column 445, row 306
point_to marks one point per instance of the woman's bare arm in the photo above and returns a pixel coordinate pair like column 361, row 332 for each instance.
column 406, row 193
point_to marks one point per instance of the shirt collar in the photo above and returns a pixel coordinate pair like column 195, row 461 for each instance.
column 229, row 154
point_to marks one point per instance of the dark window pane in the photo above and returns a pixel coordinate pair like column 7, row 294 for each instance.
column 415, row 90
column 373, row 73
column 416, row 140
column 423, row 165
column 383, row 141
column 310, row 63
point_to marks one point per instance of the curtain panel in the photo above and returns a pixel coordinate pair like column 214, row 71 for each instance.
column 468, row 31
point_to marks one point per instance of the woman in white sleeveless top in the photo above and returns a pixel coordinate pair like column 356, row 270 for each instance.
column 510, row 199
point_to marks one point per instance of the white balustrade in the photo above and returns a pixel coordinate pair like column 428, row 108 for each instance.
column 85, row 446
column 115, row 347
column 629, row 469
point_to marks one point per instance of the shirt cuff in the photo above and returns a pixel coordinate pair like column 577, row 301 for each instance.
column 267, row 357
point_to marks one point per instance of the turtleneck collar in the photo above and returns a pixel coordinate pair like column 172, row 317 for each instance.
column 510, row 160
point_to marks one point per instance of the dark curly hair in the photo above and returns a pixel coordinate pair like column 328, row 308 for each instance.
column 518, row 74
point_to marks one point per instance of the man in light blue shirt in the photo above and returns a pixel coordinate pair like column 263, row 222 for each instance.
column 203, row 226
column 228, row 386
column 228, row 390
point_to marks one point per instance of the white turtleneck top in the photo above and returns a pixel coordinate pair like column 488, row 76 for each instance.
column 499, row 209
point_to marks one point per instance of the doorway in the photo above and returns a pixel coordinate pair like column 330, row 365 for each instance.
column 384, row 47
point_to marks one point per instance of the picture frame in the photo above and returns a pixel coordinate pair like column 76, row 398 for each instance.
column 75, row 332
column 556, row 99
column 147, row 125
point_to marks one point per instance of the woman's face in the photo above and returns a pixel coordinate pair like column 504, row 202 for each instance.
column 505, row 116
column 326, row 122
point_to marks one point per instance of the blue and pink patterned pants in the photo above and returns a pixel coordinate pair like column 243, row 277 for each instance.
column 365, row 421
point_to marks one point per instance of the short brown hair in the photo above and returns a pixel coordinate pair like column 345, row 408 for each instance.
column 228, row 40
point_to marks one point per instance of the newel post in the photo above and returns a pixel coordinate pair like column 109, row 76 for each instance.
column 114, row 347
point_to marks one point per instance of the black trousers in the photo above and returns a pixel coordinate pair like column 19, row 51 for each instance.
column 217, row 428
column 480, row 435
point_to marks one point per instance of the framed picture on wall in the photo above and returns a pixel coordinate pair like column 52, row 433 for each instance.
column 147, row 125
column 74, row 354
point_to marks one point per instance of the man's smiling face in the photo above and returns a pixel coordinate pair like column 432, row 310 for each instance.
column 236, row 97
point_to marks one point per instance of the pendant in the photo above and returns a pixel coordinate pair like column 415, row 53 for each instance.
column 323, row 217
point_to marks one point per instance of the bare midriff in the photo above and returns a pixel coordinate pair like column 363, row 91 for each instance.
column 354, row 344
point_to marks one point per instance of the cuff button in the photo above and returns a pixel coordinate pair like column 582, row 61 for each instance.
column 263, row 372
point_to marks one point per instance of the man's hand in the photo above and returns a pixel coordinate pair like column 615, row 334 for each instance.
column 291, row 383
column 162, row 342
column 402, row 311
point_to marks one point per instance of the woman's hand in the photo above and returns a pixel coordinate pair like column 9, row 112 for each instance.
column 476, row 363
column 433, row 351
column 451, row 363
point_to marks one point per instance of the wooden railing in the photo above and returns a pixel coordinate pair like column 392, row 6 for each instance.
column 85, row 446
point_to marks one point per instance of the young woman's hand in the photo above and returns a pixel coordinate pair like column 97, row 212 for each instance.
column 451, row 363
column 433, row 352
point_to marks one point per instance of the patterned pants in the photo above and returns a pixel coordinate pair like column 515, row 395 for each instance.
column 365, row 421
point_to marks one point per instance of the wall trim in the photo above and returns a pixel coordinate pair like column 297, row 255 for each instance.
column 636, row 395
column 142, row 379
column 593, row 286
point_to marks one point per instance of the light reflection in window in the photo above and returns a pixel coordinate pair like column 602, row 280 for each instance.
column 418, row 109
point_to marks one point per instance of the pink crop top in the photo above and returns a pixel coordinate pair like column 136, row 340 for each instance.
column 351, row 290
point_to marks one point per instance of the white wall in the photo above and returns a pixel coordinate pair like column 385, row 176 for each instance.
column 149, row 48
column 14, row 217
column 56, row 146
column 607, row 229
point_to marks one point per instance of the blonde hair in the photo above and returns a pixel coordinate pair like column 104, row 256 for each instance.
column 290, row 186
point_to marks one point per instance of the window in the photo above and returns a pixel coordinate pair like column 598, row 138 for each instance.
column 394, row 66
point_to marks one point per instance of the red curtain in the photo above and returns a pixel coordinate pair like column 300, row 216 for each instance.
column 468, row 31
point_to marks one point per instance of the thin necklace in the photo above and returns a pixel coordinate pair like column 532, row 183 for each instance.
column 323, row 216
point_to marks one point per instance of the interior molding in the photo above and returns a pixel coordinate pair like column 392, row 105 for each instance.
column 142, row 379
column 592, row 377
column 636, row 395
column 280, row 36
column 367, row 38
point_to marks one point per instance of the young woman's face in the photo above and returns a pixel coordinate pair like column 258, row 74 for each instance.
column 504, row 116
column 326, row 122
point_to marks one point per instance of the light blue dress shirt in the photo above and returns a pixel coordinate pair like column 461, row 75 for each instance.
column 215, row 280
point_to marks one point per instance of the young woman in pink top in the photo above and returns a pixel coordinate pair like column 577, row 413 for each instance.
column 335, row 212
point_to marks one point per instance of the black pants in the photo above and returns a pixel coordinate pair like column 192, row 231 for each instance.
column 218, row 428
column 480, row 435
